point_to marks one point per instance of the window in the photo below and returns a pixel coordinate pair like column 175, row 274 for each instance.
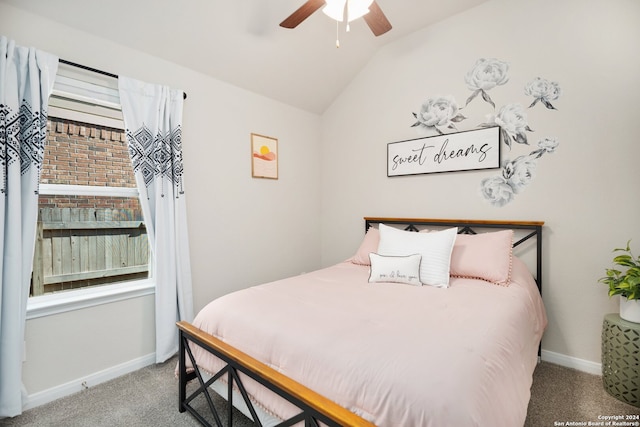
column 91, row 231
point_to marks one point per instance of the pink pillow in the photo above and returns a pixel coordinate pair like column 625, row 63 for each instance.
column 485, row 256
column 369, row 244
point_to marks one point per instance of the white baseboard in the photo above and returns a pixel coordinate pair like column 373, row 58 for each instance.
column 572, row 362
column 77, row 385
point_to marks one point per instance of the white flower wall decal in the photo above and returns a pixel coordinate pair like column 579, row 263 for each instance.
column 543, row 91
column 440, row 113
column 486, row 74
column 512, row 120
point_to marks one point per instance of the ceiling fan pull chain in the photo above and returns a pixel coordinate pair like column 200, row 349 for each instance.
column 337, row 34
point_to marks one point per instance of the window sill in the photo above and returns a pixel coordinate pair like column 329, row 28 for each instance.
column 63, row 302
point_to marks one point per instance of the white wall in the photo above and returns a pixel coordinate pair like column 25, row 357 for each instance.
column 585, row 192
column 242, row 230
column 63, row 350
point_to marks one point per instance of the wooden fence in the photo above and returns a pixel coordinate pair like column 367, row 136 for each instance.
column 79, row 247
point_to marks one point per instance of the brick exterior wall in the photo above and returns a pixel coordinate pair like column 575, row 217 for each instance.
column 82, row 154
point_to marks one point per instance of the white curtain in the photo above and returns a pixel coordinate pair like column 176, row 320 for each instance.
column 153, row 124
column 26, row 81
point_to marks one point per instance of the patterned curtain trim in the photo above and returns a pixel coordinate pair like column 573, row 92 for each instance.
column 22, row 136
column 158, row 156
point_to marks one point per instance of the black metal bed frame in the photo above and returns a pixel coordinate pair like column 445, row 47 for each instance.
column 533, row 228
column 311, row 414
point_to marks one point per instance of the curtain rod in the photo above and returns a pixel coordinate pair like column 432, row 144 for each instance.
column 95, row 70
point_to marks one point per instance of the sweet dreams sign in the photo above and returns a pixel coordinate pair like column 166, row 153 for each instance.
column 461, row 151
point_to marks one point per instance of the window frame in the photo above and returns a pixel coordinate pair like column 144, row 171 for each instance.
column 77, row 299
column 88, row 109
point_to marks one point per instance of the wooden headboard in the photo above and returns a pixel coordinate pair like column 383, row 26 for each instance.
column 527, row 231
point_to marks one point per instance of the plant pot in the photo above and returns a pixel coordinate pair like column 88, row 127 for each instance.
column 630, row 309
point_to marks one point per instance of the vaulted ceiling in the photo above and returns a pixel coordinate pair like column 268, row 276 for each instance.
column 240, row 41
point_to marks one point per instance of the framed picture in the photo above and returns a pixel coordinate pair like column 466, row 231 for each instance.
column 461, row 151
column 264, row 156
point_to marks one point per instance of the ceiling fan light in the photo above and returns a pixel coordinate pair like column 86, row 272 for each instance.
column 357, row 9
column 335, row 9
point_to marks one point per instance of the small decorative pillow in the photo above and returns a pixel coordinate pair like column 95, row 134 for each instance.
column 396, row 269
column 486, row 256
column 435, row 248
column 369, row 244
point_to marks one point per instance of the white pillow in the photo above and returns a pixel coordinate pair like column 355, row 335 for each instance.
column 434, row 247
column 397, row 269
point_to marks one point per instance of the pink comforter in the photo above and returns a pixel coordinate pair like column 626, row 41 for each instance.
column 397, row 355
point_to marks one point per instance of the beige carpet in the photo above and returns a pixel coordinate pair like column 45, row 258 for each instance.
column 148, row 397
column 561, row 396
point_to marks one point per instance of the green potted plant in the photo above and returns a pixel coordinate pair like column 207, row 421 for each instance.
column 625, row 283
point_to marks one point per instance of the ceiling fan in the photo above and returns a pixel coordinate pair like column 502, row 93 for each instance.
column 373, row 15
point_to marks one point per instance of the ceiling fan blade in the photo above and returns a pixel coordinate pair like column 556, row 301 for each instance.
column 302, row 13
column 376, row 20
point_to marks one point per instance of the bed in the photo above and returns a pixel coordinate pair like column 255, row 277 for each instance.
column 432, row 322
